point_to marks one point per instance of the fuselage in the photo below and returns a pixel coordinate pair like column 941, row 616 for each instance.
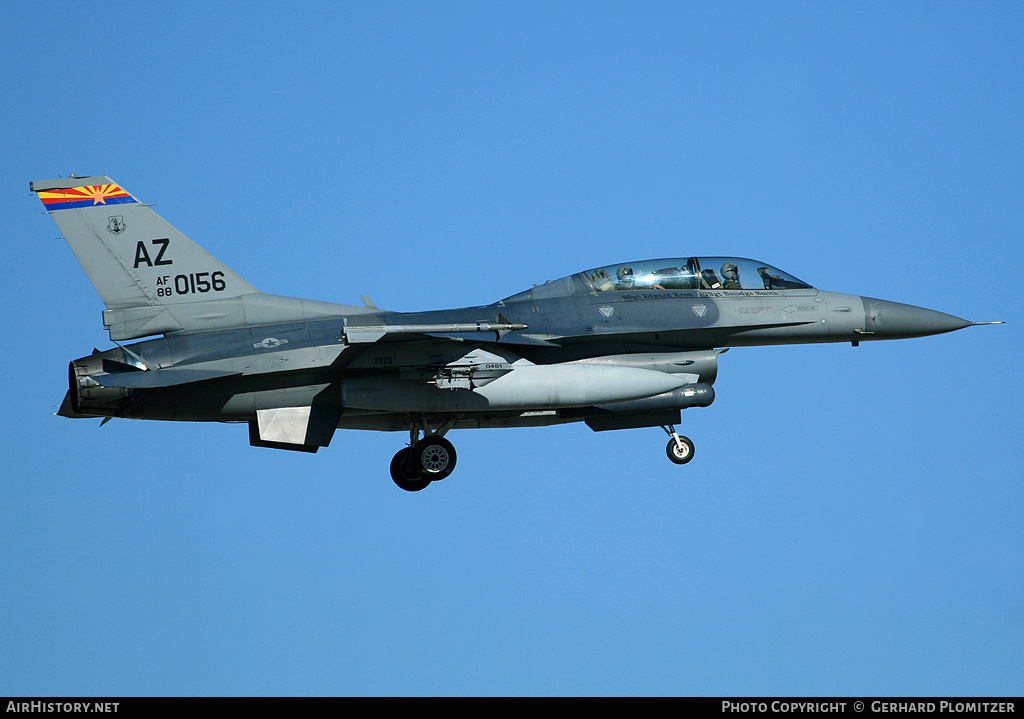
column 570, row 325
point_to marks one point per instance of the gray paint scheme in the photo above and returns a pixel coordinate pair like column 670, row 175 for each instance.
column 581, row 348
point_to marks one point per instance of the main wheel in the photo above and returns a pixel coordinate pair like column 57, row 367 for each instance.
column 404, row 472
column 434, row 457
column 680, row 453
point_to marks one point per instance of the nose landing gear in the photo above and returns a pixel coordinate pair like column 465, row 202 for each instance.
column 679, row 449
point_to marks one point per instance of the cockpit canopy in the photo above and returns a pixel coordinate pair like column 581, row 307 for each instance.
column 694, row 273
column 708, row 274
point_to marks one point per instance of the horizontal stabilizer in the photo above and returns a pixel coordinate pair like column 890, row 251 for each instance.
column 159, row 378
column 67, row 409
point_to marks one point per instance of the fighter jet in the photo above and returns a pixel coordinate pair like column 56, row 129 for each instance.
column 622, row 346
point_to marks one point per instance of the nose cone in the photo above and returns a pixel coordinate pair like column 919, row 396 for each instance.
column 891, row 320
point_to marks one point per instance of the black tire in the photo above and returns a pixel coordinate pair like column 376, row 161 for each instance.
column 674, row 453
column 404, row 473
column 434, row 457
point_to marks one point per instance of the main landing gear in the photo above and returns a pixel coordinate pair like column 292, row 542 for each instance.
column 427, row 460
column 679, row 449
column 432, row 457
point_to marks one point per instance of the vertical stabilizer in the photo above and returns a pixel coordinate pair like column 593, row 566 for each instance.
column 133, row 257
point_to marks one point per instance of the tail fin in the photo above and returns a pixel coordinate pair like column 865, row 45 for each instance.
column 133, row 257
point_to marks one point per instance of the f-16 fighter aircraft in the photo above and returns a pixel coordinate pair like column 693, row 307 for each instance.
column 622, row 346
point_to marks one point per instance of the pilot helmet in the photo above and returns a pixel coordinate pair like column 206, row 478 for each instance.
column 730, row 271
column 624, row 271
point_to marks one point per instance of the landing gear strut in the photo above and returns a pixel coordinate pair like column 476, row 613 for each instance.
column 427, row 460
column 679, row 449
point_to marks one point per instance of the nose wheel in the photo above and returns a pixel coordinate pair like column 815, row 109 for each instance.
column 429, row 460
column 679, row 448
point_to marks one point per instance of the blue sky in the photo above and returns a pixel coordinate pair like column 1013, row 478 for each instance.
column 850, row 524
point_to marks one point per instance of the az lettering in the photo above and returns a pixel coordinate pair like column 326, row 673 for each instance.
column 142, row 255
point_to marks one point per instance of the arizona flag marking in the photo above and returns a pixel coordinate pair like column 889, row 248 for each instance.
column 88, row 196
